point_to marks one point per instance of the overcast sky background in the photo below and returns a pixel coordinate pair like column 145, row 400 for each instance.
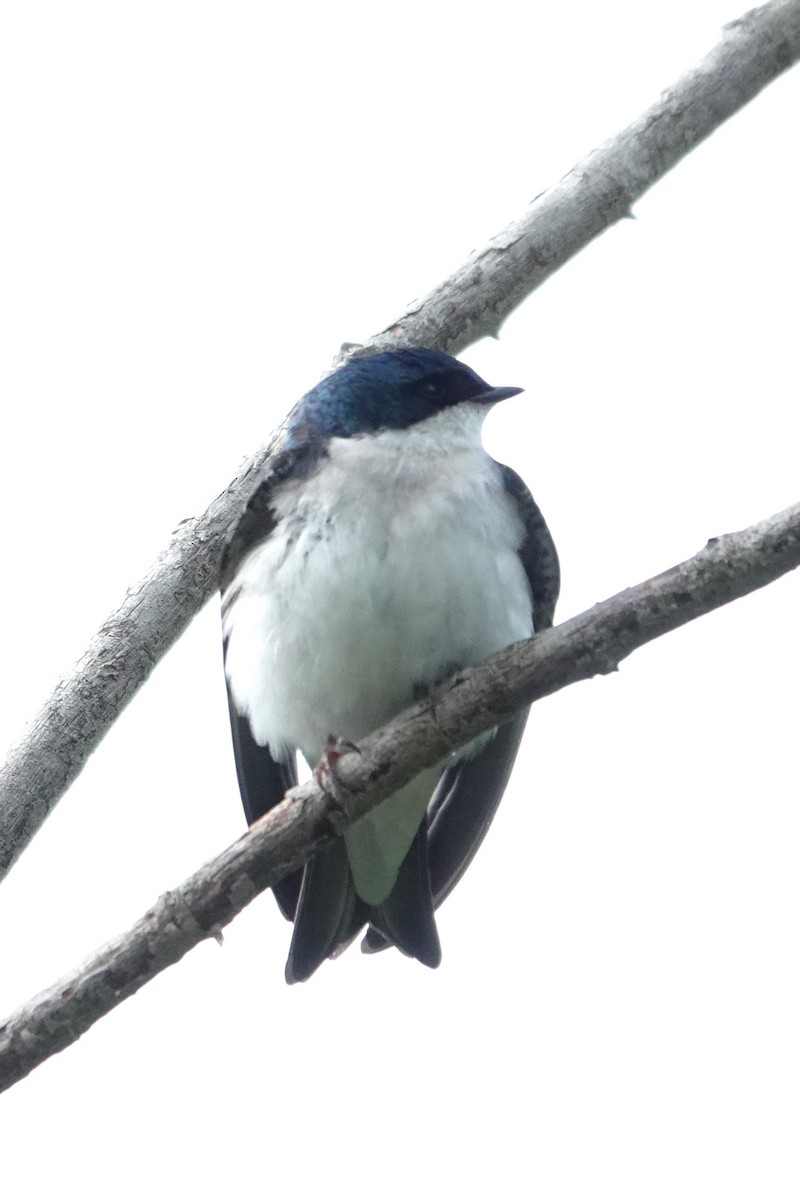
column 200, row 203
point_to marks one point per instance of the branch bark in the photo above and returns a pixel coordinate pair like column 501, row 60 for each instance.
column 471, row 303
column 474, row 700
column 600, row 190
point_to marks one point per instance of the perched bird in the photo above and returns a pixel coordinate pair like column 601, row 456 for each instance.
column 383, row 551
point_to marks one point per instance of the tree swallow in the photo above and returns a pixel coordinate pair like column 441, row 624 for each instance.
column 383, row 551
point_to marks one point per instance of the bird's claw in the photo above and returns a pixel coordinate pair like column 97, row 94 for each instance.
column 325, row 770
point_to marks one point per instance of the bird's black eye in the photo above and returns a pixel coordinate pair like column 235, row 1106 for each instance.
column 440, row 389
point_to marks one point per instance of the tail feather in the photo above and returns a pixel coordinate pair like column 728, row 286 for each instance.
column 330, row 914
column 405, row 919
column 324, row 912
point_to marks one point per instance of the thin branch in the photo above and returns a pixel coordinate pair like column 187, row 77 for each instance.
column 474, row 301
column 474, row 700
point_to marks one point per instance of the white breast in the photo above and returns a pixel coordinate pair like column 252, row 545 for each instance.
column 394, row 564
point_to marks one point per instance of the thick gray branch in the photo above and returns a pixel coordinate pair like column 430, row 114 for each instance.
column 473, row 302
column 476, row 699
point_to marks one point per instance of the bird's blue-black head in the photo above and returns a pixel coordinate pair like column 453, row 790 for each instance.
column 390, row 390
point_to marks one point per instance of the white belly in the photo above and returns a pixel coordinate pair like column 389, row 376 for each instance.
column 388, row 569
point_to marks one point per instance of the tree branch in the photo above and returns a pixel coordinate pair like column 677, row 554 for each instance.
column 474, row 700
column 600, row 190
column 474, row 301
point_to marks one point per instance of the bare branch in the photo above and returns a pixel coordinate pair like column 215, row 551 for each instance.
column 474, row 700
column 598, row 191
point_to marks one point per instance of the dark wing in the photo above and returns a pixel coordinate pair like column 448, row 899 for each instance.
column 263, row 780
column 538, row 551
column 466, row 798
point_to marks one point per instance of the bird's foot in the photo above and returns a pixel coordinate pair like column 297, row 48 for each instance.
column 325, row 770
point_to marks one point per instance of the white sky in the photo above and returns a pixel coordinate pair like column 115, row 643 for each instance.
column 200, row 203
